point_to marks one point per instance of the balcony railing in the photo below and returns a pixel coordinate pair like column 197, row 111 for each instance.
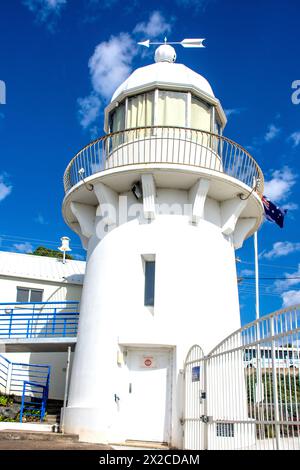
column 165, row 145
column 39, row 320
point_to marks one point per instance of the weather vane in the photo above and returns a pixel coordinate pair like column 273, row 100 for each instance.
column 184, row 43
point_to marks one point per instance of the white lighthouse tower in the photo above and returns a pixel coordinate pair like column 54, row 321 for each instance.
column 160, row 202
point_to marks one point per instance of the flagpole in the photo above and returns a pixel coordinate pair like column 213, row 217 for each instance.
column 259, row 383
column 257, row 313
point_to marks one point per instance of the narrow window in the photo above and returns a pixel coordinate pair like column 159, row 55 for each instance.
column 149, row 283
column 22, row 294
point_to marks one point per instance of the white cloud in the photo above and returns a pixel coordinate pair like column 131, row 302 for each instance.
column 5, row 187
column 279, row 186
column 89, row 109
column 46, row 11
column 291, row 279
column 290, row 206
column 290, row 298
column 287, row 288
column 25, row 247
column 295, row 138
column 272, row 133
column 40, row 220
column 281, row 249
column 78, row 257
column 156, row 26
column 111, row 63
column 233, row 111
column 247, row 272
column 109, row 66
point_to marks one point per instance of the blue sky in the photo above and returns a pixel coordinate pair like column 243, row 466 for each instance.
column 54, row 55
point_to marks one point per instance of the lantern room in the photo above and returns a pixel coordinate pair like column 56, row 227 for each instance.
column 165, row 94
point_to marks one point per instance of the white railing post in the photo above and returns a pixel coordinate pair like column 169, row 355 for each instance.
column 205, row 440
column 8, row 378
column 275, row 386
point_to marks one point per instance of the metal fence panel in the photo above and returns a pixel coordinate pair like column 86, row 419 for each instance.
column 252, row 386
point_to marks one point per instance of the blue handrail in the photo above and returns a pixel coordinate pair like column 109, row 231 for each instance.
column 34, row 399
column 38, row 319
column 30, row 380
column 67, row 302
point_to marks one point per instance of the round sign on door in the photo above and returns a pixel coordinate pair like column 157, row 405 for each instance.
column 148, row 362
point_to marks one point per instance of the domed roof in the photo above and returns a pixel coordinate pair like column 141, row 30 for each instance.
column 164, row 73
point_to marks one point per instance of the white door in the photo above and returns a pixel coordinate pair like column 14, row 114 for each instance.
column 149, row 395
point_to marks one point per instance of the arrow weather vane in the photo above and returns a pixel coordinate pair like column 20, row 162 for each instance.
column 184, row 43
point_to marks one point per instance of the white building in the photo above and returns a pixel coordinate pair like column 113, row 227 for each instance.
column 160, row 205
column 33, row 287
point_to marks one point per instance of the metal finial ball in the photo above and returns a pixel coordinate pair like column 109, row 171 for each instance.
column 165, row 53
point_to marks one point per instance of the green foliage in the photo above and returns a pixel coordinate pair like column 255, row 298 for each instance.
column 288, row 387
column 43, row 251
column 8, row 420
column 5, row 400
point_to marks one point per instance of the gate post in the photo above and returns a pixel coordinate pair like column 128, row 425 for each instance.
column 205, row 431
column 275, row 386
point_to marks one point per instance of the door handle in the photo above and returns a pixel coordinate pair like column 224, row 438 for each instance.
column 130, row 388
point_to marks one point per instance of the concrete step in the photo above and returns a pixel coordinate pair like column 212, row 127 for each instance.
column 7, row 435
column 52, row 419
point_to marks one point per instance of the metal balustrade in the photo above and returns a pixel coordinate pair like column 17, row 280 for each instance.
column 38, row 320
column 249, row 388
column 31, row 381
column 165, row 145
column 34, row 400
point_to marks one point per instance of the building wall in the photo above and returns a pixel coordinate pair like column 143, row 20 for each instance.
column 53, row 292
column 57, row 362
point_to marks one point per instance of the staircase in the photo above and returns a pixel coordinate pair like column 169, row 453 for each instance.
column 31, row 381
column 53, row 412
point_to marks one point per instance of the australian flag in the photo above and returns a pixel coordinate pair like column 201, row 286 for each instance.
column 273, row 213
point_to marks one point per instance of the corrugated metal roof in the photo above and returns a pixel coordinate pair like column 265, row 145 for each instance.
column 41, row 268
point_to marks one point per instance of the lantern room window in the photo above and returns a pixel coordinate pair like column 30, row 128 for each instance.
column 117, row 118
column 172, row 109
column 163, row 108
column 200, row 115
column 140, row 110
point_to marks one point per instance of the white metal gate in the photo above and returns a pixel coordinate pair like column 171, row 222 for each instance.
column 245, row 394
column 194, row 396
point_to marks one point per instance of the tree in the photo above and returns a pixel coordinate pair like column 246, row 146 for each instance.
column 43, row 251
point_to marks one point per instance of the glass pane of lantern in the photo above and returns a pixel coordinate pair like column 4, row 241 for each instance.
column 140, row 111
column 118, row 118
column 200, row 115
column 172, row 108
column 117, row 123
